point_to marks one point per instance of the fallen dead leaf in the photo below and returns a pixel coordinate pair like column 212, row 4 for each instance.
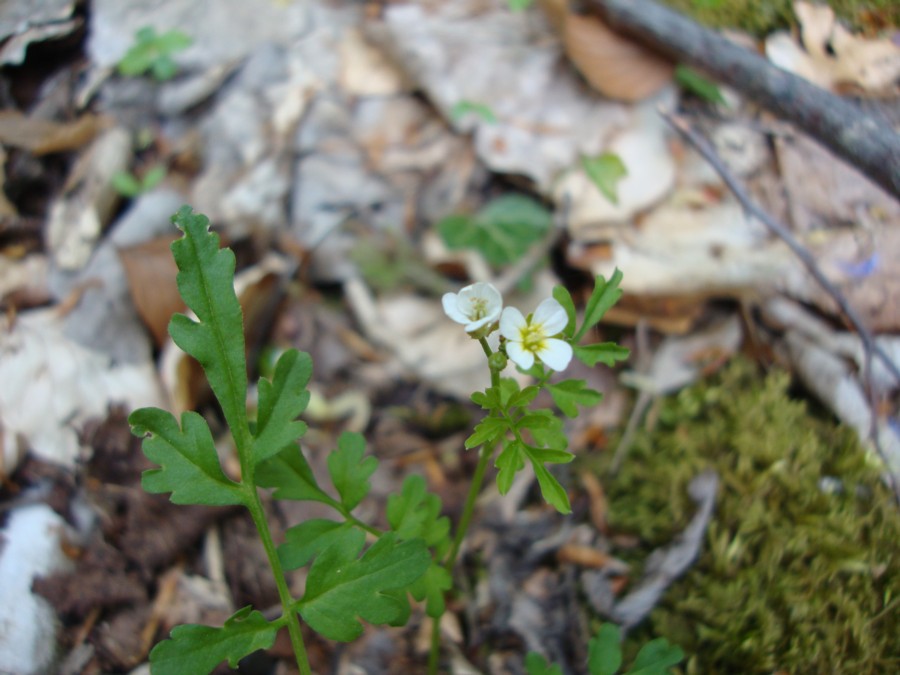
column 612, row 64
column 151, row 273
column 42, row 137
column 831, row 57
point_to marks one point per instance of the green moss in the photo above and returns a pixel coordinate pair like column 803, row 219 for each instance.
column 761, row 18
column 792, row 576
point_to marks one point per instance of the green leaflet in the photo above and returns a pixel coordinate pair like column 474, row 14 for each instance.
column 488, row 430
column 186, row 455
column 194, row 649
column 416, row 513
column 563, row 297
column 431, row 588
column 605, row 171
column 341, row 587
column 510, row 461
column 692, row 81
column 462, row 108
column 305, row 541
column 605, row 656
column 535, row 664
column 605, row 651
column 502, row 231
column 280, row 402
column 604, row 296
column 349, row 471
column 655, row 658
column 216, row 340
column 569, row 394
column 289, row 473
column 552, row 492
column 153, row 52
column 606, row 353
column 523, row 398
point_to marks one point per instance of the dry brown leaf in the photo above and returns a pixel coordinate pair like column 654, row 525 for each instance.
column 615, row 66
column 42, row 137
column 833, row 58
column 151, row 273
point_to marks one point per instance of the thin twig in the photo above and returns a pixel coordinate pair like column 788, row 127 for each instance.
column 870, row 347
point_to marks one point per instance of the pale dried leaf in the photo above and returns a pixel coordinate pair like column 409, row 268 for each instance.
column 52, row 385
column 41, row 137
column 367, row 71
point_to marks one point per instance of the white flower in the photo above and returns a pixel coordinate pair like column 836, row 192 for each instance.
column 476, row 306
column 533, row 337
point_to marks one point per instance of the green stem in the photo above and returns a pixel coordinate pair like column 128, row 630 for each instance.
column 254, row 505
column 487, row 453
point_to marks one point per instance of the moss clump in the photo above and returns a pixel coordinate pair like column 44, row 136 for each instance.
column 800, row 569
column 761, row 18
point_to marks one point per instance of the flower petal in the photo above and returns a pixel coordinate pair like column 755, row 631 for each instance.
column 450, row 301
column 475, row 325
column 551, row 315
column 519, row 355
column 511, row 324
column 555, row 353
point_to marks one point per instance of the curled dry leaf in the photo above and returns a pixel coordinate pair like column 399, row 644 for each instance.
column 615, row 66
column 833, row 58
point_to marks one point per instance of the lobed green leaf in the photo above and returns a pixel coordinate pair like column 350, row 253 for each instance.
column 552, row 492
column 604, row 296
column 546, row 429
column 487, row 399
column 291, row 476
column 416, row 513
column 489, row 430
column 432, row 588
column 569, row 394
column 549, row 455
column 510, row 461
column 535, row 664
column 342, row 588
column 280, row 402
column 605, row 171
column 350, row 473
column 216, row 340
column 605, row 651
column 563, row 297
column 656, row 657
column 502, row 231
column 188, row 463
column 523, row 398
column 603, row 352
column 305, row 541
column 194, row 650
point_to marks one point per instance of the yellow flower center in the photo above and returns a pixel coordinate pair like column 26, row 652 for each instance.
column 533, row 338
column 479, row 309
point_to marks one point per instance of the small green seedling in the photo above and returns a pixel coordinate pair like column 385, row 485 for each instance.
column 605, row 171
column 605, row 656
column 466, row 107
column 692, row 81
column 153, row 52
column 502, row 231
column 130, row 186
